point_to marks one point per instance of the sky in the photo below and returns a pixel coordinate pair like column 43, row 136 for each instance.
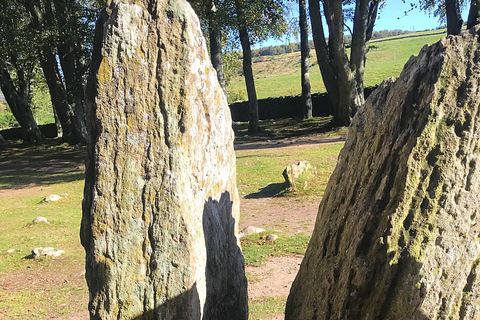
column 390, row 18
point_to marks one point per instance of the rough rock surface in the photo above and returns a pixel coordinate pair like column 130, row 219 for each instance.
column 160, row 209
column 397, row 232
column 293, row 171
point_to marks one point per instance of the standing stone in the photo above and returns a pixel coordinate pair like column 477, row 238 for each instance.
column 160, row 208
column 397, row 232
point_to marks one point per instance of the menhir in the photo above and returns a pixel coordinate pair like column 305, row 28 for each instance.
column 397, row 232
column 160, row 209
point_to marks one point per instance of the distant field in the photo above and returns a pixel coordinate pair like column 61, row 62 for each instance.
column 280, row 75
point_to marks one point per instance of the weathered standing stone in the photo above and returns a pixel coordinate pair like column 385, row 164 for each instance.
column 397, row 232
column 160, row 210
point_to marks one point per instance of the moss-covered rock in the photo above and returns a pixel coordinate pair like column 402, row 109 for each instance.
column 160, row 212
column 397, row 232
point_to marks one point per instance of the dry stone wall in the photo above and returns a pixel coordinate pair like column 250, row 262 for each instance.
column 397, row 234
column 160, row 209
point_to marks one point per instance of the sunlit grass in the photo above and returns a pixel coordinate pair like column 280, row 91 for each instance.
column 280, row 75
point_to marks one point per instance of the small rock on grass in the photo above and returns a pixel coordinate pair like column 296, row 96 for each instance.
column 271, row 237
column 250, row 230
column 46, row 252
column 10, row 250
column 52, row 197
column 41, row 219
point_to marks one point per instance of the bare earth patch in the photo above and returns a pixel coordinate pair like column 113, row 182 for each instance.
column 288, row 215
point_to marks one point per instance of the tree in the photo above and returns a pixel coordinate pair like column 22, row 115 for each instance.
column 305, row 61
column 454, row 18
column 256, row 20
column 473, row 14
column 343, row 75
column 17, row 67
column 64, row 32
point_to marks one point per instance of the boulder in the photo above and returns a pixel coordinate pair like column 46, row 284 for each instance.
column 46, row 252
column 52, row 197
column 271, row 237
column 40, row 219
column 160, row 208
column 250, row 230
column 293, row 171
column 397, row 232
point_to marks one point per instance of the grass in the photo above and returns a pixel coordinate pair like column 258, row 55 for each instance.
column 279, row 75
column 266, row 307
column 257, row 250
column 66, row 290
column 259, row 172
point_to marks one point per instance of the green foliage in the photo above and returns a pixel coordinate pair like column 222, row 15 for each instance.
column 7, row 120
column 41, row 103
column 232, row 65
column 256, row 249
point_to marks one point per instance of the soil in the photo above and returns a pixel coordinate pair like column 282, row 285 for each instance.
column 272, row 279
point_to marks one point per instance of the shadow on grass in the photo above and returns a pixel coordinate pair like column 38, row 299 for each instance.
column 272, row 190
column 51, row 162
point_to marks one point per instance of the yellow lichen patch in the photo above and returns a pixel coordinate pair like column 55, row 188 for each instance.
column 104, row 74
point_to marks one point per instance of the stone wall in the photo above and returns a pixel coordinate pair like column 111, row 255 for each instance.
column 286, row 107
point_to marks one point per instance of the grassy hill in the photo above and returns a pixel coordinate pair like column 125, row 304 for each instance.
column 279, row 75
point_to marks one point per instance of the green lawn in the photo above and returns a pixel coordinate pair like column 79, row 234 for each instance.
column 280, row 75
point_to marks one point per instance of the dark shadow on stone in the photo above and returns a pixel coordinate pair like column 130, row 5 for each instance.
column 225, row 271
column 179, row 307
column 272, row 190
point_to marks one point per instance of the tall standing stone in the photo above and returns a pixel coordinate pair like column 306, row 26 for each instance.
column 160, row 209
column 397, row 234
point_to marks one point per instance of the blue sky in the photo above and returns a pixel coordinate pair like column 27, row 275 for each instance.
column 393, row 17
column 390, row 18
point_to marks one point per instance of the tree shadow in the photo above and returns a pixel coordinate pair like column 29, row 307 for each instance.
column 272, row 190
column 51, row 162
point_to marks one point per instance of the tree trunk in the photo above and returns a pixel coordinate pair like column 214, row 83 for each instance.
column 216, row 46
column 217, row 57
column 253, row 123
column 348, row 97
column 21, row 108
column 73, row 133
column 323, row 56
column 65, row 113
column 343, row 79
column 473, row 13
column 305, row 61
column 71, row 65
column 454, row 18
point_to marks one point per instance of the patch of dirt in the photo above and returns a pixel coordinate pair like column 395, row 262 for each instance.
column 48, row 283
column 274, row 278
column 288, row 215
